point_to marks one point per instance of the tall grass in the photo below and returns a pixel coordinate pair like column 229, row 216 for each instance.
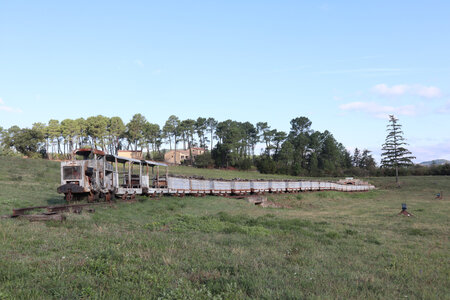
column 324, row 245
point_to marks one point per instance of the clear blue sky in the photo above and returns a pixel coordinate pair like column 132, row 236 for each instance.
column 345, row 65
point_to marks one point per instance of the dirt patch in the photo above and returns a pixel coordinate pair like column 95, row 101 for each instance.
column 263, row 202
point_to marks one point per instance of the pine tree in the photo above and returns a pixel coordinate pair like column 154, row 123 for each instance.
column 395, row 154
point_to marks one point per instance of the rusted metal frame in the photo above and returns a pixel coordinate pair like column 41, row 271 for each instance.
column 123, row 172
column 140, row 174
column 69, row 196
column 219, row 192
column 157, row 175
column 66, row 207
column 117, row 172
column 241, row 191
column 21, row 211
column 129, row 174
column 104, row 172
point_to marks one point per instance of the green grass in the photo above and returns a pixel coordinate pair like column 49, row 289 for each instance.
column 325, row 245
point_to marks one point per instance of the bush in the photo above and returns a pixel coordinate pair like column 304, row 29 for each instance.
column 244, row 164
column 266, row 165
column 204, row 161
column 158, row 156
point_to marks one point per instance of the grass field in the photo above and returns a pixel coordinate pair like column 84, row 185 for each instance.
column 325, row 245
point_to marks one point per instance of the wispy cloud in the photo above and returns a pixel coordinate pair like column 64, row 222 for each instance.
column 379, row 111
column 6, row 108
column 428, row 92
column 362, row 71
column 139, row 63
column 324, row 7
column 284, row 70
column 431, row 151
column 444, row 109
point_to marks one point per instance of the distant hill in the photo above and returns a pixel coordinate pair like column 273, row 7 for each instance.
column 435, row 162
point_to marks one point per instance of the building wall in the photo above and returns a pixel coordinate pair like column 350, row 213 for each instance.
column 182, row 155
column 130, row 154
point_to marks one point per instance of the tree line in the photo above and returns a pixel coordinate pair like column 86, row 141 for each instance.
column 302, row 151
column 108, row 134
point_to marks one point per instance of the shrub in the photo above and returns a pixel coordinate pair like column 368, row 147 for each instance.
column 204, row 161
column 266, row 165
column 244, row 164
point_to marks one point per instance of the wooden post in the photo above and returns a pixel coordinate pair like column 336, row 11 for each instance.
column 117, row 172
column 157, row 175
column 123, row 171
column 129, row 174
column 140, row 174
column 104, row 172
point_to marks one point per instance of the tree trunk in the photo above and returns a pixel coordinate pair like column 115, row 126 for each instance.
column 190, row 152
column 59, row 147
column 211, row 140
column 175, row 147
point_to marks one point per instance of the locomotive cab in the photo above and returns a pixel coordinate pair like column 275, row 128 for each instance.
column 95, row 174
column 87, row 174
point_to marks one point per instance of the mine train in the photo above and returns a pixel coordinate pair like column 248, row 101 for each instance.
column 94, row 175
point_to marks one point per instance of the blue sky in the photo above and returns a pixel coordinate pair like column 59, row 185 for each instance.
column 345, row 65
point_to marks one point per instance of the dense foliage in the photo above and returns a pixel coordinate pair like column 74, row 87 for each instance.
column 302, row 151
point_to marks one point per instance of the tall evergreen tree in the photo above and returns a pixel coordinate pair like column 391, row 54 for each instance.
column 42, row 129
column 53, row 132
column 97, row 129
column 1, row 137
column 395, row 154
column 200, row 128
column 172, row 128
column 116, row 129
column 188, row 130
column 135, row 130
column 211, row 124
column 151, row 135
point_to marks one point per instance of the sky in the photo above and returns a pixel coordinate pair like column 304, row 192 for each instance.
column 346, row 65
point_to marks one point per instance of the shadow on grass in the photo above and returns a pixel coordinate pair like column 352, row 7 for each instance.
column 56, row 201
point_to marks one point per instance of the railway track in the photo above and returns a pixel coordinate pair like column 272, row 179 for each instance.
column 55, row 212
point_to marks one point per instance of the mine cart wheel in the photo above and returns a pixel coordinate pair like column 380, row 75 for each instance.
column 69, row 196
column 133, row 196
column 91, row 197
column 108, row 197
column 124, row 196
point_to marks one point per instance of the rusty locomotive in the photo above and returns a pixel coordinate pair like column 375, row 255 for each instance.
column 93, row 174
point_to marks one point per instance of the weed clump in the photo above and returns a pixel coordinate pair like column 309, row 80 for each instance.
column 418, row 232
